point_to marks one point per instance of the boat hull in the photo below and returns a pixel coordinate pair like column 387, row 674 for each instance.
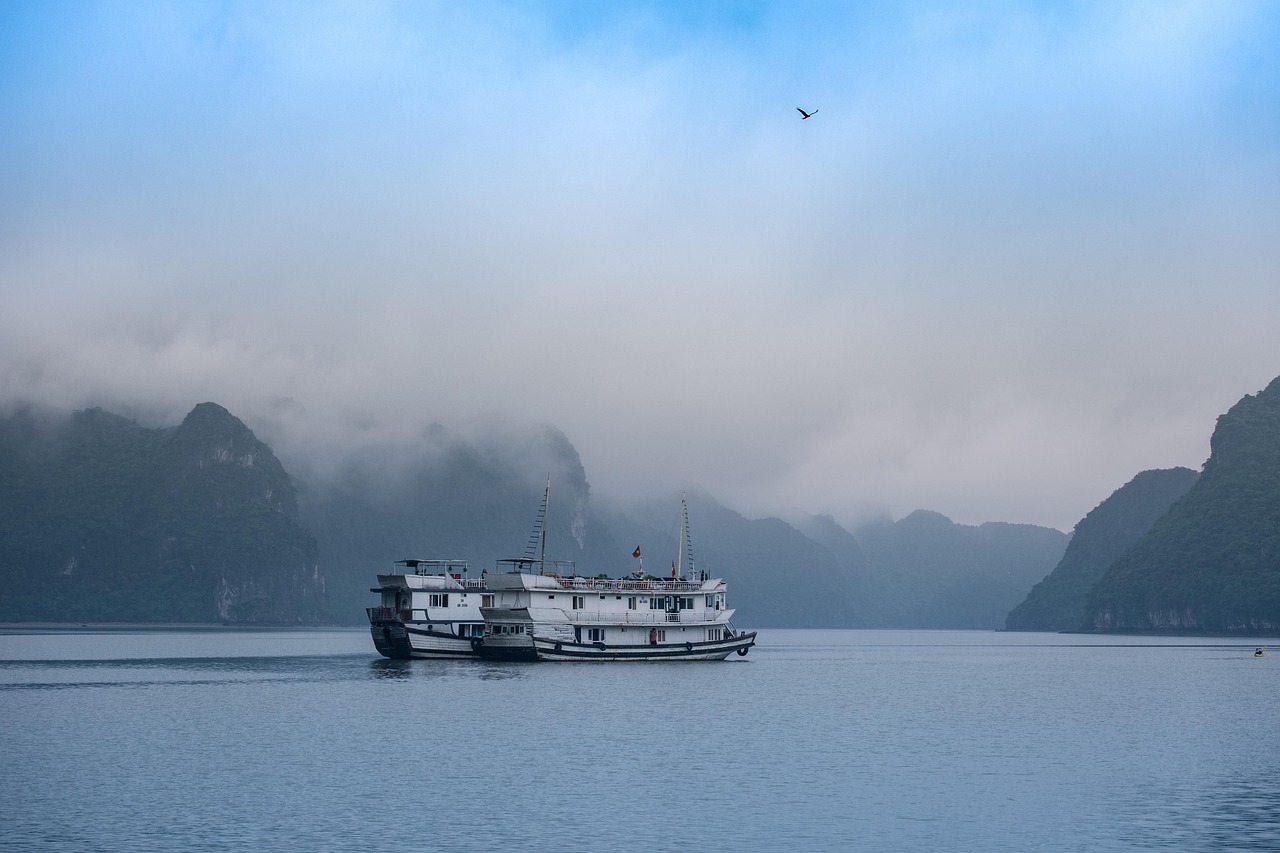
column 550, row 650
column 407, row 641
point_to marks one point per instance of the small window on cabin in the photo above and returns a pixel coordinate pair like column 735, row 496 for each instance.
column 486, row 601
column 579, row 602
column 550, row 596
column 631, row 603
column 710, row 600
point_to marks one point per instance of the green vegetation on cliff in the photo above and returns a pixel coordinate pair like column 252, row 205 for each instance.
column 104, row 520
column 1212, row 562
column 1112, row 527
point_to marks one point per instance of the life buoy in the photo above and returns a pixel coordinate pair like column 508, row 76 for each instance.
column 688, row 647
column 558, row 647
column 476, row 642
column 743, row 651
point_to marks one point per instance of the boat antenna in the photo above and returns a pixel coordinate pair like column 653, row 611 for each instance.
column 536, row 550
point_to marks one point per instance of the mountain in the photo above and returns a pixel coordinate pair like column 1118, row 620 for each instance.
column 777, row 576
column 105, row 520
column 1212, row 562
column 450, row 498
column 922, row 571
column 1110, row 529
column 926, row 571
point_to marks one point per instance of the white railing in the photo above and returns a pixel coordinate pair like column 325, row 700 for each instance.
column 628, row 584
column 645, row 617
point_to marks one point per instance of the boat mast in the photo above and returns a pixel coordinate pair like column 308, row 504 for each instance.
column 536, row 550
column 686, row 540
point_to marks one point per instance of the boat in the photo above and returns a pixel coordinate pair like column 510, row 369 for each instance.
column 429, row 609
column 542, row 610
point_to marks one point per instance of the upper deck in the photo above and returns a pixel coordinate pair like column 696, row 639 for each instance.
column 431, row 575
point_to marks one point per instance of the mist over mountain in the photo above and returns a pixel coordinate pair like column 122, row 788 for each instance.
column 105, row 520
column 926, row 571
column 1111, row 528
column 110, row 520
column 1212, row 562
column 451, row 499
column 777, row 576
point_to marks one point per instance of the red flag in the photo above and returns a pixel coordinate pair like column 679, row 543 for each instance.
column 673, row 568
column 636, row 552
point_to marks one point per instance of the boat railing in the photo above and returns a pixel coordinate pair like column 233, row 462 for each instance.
column 629, row 584
column 644, row 617
column 384, row 614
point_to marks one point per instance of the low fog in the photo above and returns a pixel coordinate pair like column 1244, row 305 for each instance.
column 1018, row 256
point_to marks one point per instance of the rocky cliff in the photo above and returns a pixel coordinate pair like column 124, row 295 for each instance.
column 104, row 520
column 1212, row 562
column 1111, row 528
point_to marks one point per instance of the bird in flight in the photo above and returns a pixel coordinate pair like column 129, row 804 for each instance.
column 804, row 115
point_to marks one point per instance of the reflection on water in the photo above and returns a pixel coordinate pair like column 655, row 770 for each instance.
column 385, row 668
column 439, row 669
column 1210, row 814
column 1244, row 814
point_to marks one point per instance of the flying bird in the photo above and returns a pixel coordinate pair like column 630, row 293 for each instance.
column 804, row 115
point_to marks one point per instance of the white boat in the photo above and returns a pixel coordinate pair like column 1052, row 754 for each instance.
column 542, row 610
column 430, row 609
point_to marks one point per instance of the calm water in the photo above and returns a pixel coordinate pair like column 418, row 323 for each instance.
column 818, row 740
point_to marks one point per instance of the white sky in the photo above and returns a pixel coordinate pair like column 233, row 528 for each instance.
column 1022, row 252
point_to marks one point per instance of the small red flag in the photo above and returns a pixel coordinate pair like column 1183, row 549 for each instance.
column 636, row 552
column 673, row 568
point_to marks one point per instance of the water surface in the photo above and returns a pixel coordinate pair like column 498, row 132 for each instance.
column 817, row 740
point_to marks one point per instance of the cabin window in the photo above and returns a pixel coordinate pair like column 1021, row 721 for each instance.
column 439, row 599
column 486, row 601
column 713, row 633
column 711, row 601
column 686, row 603
column 631, row 603
column 550, row 596
column 658, row 603
column 596, row 635
column 579, row 602
column 662, row 635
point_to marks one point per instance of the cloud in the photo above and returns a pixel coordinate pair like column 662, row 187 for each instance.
column 1020, row 254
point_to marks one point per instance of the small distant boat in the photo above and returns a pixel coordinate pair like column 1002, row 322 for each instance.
column 429, row 609
column 1259, row 651
column 544, row 611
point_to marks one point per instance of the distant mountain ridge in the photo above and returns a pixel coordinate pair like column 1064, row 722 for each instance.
column 102, row 519
column 201, row 522
column 926, row 571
